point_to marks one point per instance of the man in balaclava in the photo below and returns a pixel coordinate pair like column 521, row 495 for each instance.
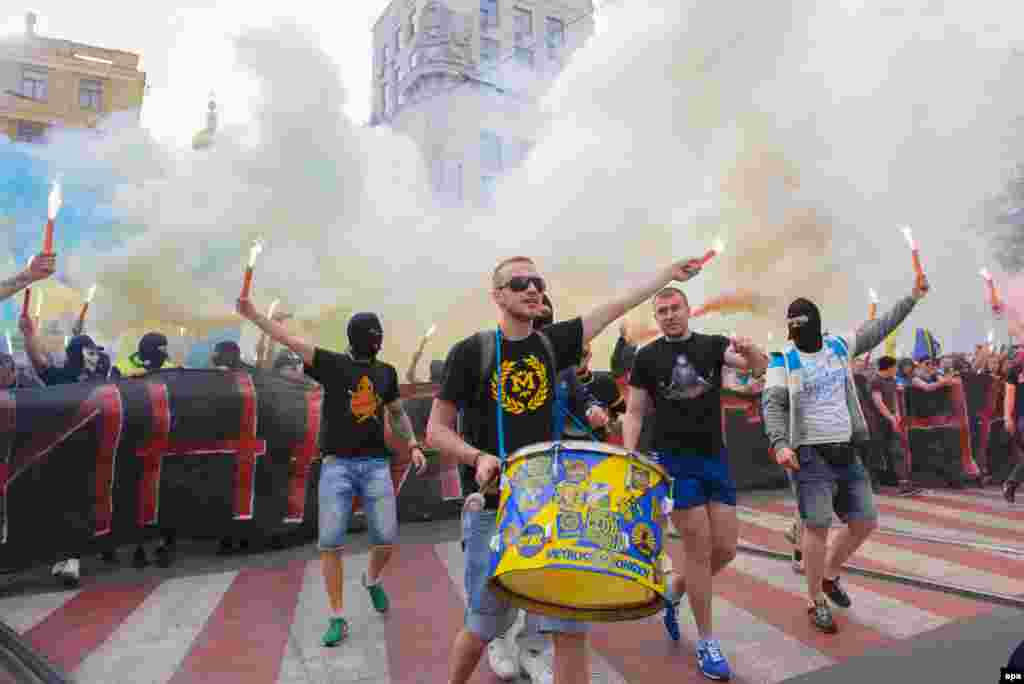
column 357, row 390
column 227, row 355
column 813, row 419
column 152, row 353
column 83, row 358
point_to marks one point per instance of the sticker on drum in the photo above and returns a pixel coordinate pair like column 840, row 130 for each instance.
column 570, row 496
column 639, row 478
column 529, row 498
column 539, row 466
column 531, row 541
column 569, row 524
column 603, row 559
column 603, row 529
column 600, row 495
column 511, row 535
column 643, row 539
column 576, row 470
column 631, row 508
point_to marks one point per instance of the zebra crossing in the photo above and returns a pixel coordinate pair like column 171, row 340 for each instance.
column 263, row 624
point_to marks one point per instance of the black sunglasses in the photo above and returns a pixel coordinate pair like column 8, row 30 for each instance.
column 522, row 283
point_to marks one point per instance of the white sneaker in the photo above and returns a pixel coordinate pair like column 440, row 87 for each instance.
column 537, row 666
column 503, row 659
column 68, row 571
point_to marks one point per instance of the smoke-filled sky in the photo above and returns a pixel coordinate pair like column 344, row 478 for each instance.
column 804, row 133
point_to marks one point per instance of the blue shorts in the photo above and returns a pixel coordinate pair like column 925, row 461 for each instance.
column 822, row 488
column 341, row 480
column 488, row 616
column 698, row 479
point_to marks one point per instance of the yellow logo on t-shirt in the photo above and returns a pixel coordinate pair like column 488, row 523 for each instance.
column 524, row 385
column 364, row 401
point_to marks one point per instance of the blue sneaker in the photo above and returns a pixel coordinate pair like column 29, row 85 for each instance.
column 671, row 622
column 711, row 661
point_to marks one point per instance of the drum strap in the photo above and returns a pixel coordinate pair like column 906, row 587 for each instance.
column 501, row 420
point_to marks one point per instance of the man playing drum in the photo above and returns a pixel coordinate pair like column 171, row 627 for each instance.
column 681, row 373
column 530, row 363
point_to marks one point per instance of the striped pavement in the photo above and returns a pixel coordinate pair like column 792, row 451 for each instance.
column 262, row 624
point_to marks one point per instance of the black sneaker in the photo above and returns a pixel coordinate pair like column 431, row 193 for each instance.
column 821, row 617
column 1010, row 490
column 836, row 593
column 139, row 559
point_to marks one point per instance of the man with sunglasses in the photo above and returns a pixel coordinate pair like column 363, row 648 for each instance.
column 529, row 364
column 813, row 418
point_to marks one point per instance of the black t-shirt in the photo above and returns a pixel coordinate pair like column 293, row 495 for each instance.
column 355, row 394
column 684, row 379
column 1015, row 377
column 528, row 389
column 60, row 375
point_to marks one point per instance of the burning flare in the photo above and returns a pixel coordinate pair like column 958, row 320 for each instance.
column 994, row 300
column 873, row 306
column 431, row 331
column 254, row 251
column 55, row 202
column 717, row 248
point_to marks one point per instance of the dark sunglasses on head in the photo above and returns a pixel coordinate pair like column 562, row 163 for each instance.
column 522, row 283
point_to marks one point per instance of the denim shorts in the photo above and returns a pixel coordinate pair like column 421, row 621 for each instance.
column 488, row 616
column 698, row 479
column 342, row 479
column 822, row 487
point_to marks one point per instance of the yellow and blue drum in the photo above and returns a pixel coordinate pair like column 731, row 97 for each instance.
column 579, row 533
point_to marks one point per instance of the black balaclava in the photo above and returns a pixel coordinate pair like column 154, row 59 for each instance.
column 227, row 354
column 365, row 335
column 804, row 321
column 152, row 353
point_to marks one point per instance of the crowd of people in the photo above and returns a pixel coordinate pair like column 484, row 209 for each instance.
column 661, row 397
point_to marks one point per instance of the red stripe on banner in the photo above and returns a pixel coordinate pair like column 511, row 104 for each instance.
column 249, row 449
column 80, row 626
column 971, row 558
column 944, row 605
column 303, row 456
column 244, row 639
column 426, row 614
column 111, row 415
column 152, row 452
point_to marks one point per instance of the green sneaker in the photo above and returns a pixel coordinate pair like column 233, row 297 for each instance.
column 336, row 632
column 377, row 595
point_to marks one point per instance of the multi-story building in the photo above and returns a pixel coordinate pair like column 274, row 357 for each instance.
column 48, row 82
column 462, row 77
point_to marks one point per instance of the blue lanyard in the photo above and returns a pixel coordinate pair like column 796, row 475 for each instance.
column 501, row 422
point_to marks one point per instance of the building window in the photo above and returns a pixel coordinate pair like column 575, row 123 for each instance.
column 90, row 94
column 33, row 84
column 523, row 19
column 488, row 14
column 524, row 57
column 489, row 49
column 387, row 99
column 554, row 31
column 29, row 131
column 489, row 190
column 490, row 151
column 398, row 40
column 384, row 54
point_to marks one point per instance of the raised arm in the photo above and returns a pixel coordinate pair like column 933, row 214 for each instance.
column 776, row 404
column 603, row 316
column 33, row 346
column 40, row 268
column 745, row 355
column 874, row 332
column 276, row 330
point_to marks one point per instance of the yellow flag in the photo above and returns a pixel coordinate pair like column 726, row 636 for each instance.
column 890, row 343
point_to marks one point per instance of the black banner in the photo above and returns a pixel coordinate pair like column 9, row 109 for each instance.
column 204, row 452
